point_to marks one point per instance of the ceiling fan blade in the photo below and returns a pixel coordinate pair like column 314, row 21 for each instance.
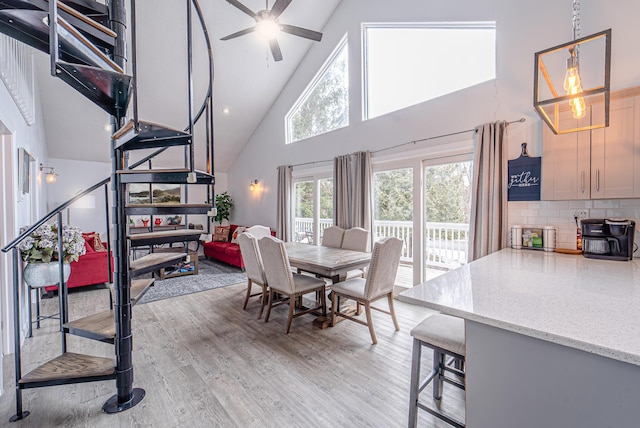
column 243, row 8
column 275, row 50
column 239, row 33
column 301, row 32
column 278, row 7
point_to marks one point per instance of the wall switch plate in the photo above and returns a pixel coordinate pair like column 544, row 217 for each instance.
column 583, row 213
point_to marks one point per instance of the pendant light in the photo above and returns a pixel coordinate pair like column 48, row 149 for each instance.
column 585, row 63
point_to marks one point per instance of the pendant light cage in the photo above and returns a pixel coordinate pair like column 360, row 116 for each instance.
column 572, row 81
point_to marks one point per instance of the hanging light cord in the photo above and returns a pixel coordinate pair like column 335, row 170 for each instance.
column 575, row 20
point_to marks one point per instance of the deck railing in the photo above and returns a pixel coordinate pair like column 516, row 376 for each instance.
column 446, row 244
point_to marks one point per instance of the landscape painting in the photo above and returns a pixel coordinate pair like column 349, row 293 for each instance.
column 168, row 194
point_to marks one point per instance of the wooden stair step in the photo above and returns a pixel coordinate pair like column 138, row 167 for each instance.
column 149, row 135
column 169, row 176
column 100, row 326
column 139, row 287
column 166, row 209
column 91, row 25
column 165, row 237
column 155, row 261
column 70, row 368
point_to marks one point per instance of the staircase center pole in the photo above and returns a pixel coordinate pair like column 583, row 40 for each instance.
column 126, row 396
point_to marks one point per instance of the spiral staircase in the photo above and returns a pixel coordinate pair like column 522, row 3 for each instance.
column 86, row 44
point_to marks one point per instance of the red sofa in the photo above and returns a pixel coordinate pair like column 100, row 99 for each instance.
column 225, row 251
column 91, row 268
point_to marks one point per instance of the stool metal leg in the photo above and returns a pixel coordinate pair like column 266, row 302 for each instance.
column 414, row 390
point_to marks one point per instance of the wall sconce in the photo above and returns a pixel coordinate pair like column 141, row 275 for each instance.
column 51, row 176
column 253, row 184
column 571, row 85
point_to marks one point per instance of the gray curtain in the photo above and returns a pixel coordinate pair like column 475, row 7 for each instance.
column 488, row 228
column 352, row 190
column 283, row 218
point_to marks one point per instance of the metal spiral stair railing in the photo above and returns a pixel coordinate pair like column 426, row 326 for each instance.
column 90, row 58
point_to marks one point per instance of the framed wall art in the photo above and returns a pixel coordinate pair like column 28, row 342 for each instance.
column 25, row 172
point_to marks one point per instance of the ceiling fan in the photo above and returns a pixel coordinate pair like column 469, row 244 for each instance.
column 268, row 26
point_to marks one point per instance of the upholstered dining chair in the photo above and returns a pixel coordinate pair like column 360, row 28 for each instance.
column 332, row 237
column 378, row 285
column 286, row 283
column 356, row 239
column 259, row 231
column 253, row 268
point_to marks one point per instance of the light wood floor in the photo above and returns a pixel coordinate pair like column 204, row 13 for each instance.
column 204, row 362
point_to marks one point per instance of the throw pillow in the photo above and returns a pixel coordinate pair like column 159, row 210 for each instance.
column 221, row 234
column 236, row 233
column 98, row 245
column 89, row 238
column 88, row 248
column 93, row 239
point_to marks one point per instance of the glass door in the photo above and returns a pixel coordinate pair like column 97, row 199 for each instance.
column 313, row 207
column 447, row 197
column 393, row 215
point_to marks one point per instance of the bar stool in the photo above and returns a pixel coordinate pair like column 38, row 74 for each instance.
column 444, row 334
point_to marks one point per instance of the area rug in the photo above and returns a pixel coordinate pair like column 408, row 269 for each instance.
column 210, row 275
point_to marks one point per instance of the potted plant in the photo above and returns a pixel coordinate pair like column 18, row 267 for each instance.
column 40, row 251
column 224, row 203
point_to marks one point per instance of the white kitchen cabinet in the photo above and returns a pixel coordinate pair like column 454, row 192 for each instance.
column 566, row 165
column 597, row 164
column 615, row 152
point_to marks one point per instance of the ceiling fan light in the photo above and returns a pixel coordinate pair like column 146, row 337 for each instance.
column 267, row 29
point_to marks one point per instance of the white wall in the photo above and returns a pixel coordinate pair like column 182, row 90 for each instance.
column 523, row 28
column 73, row 177
column 20, row 210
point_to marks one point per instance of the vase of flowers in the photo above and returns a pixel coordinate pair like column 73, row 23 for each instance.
column 40, row 251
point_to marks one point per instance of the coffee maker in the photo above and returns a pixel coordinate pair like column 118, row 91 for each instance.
column 610, row 239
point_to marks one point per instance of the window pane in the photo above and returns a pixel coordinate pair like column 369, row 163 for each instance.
column 393, row 215
column 303, row 230
column 407, row 65
column 324, row 106
column 326, row 204
column 447, row 211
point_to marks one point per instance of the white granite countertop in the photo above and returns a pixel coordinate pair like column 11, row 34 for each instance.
column 587, row 304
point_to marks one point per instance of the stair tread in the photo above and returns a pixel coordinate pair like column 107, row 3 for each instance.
column 139, row 287
column 70, row 366
column 149, row 135
column 29, row 27
column 152, row 260
column 98, row 326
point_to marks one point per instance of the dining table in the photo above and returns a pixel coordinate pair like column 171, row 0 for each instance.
column 326, row 262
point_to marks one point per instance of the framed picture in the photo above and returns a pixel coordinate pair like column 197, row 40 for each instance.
column 24, row 170
column 157, row 193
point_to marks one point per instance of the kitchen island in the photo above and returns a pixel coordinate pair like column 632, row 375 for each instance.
column 552, row 339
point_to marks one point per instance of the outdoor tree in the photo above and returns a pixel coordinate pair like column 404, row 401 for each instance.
column 327, row 106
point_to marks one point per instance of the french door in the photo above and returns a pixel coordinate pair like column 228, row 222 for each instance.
column 313, row 209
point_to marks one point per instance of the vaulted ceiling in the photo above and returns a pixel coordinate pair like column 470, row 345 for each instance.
column 247, row 80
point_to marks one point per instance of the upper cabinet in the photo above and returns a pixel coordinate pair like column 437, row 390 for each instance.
column 597, row 164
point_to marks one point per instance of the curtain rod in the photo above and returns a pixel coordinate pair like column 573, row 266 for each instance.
column 522, row 119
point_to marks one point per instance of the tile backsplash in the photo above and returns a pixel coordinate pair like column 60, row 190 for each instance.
column 560, row 214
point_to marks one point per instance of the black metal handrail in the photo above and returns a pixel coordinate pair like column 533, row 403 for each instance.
column 50, row 215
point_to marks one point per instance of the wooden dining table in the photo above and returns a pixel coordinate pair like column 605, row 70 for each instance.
column 326, row 262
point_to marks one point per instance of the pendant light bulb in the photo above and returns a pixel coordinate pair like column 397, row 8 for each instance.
column 573, row 85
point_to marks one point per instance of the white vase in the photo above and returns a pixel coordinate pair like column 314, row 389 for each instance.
column 44, row 274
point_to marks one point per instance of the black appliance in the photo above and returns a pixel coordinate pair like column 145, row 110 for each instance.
column 609, row 238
